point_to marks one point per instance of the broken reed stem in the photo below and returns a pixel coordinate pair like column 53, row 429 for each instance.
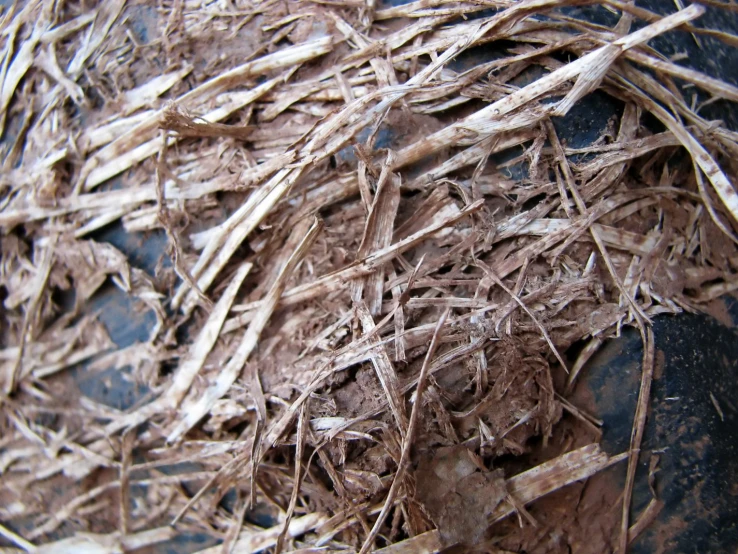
column 639, row 425
column 19, row 541
column 39, row 285
column 407, row 443
column 174, row 119
column 193, row 413
column 165, row 217
column 302, row 429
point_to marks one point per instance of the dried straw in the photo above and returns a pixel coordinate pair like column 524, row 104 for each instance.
column 400, row 296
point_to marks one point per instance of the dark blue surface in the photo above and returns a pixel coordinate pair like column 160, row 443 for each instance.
column 113, row 387
column 697, row 449
column 185, row 543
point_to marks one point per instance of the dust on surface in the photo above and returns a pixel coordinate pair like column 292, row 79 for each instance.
column 582, row 518
column 458, row 493
column 719, row 310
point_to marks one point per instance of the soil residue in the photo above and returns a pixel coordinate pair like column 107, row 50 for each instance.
column 459, row 493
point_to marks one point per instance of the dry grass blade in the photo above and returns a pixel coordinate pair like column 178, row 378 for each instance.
column 206, row 339
column 250, row 541
column 165, row 218
column 193, row 412
column 376, row 259
column 302, row 430
column 377, row 235
column 639, row 425
column 397, row 482
column 193, row 361
column 176, row 120
column 702, row 158
column 17, row 539
column 233, row 232
column 649, row 514
column 427, row 543
column 485, row 119
column 106, row 544
column 31, row 314
column 134, row 147
column 385, row 370
column 104, row 19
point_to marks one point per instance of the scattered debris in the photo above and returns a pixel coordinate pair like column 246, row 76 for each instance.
column 378, row 256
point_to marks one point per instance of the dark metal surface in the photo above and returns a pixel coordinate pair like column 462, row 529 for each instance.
column 692, row 428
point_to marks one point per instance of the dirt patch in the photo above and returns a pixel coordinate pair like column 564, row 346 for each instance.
column 458, row 493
